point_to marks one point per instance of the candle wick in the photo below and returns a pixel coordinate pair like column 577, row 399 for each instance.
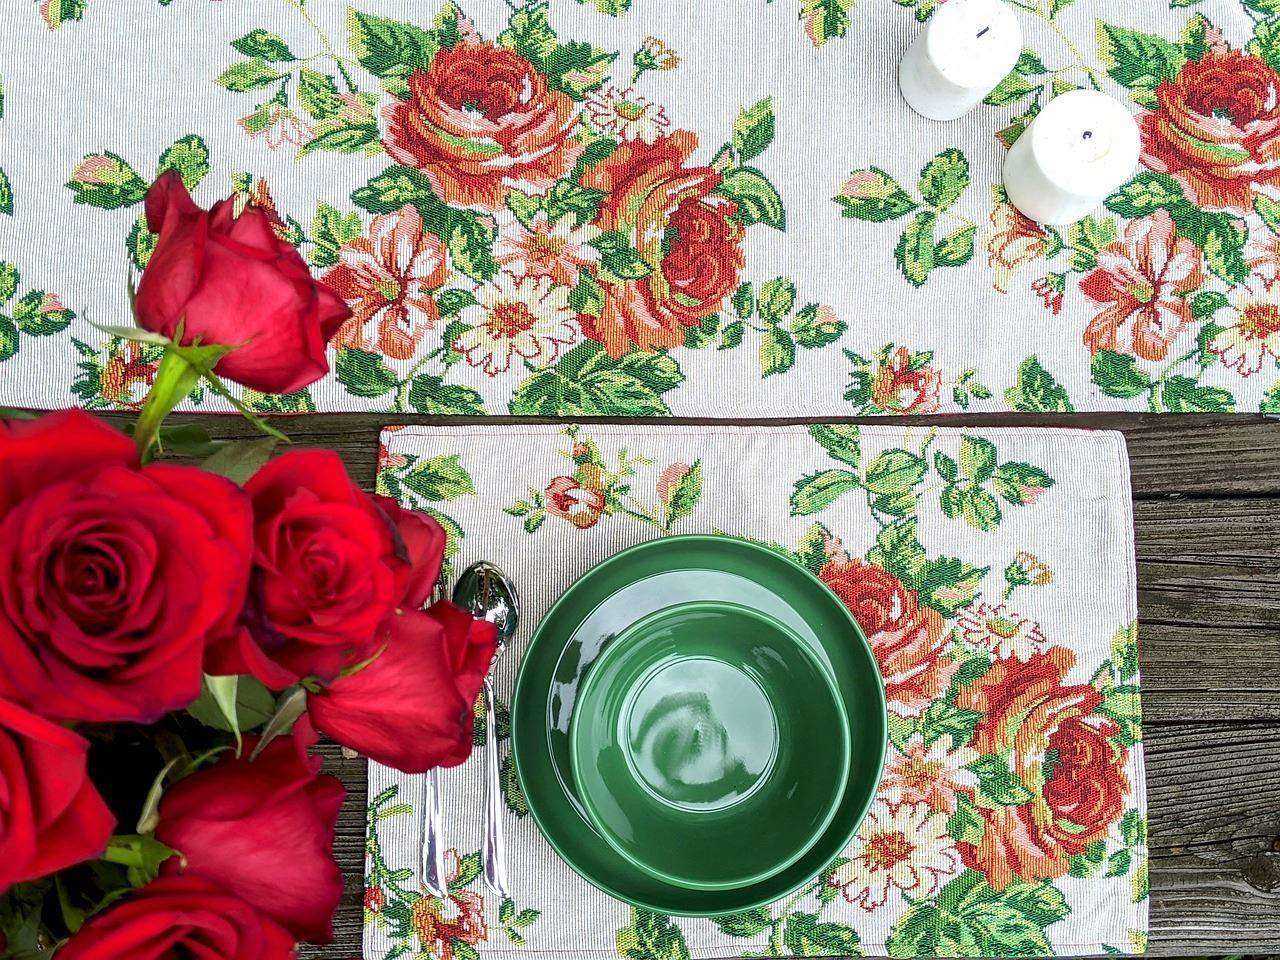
column 983, row 32
column 1087, row 135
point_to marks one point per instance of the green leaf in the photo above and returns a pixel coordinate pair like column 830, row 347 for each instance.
column 6, row 194
column 239, row 460
column 1117, row 375
column 468, row 871
column 1266, row 42
column 318, row 94
column 955, row 249
column 744, row 302
column 748, row 924
column 1139, row 61
column 344, row 138
column 9, row 278
column 1021, row 483
column 431, row 395
column 113, row 183
column 874, row 196
column 389, row 49
column 363, row 373
column 1269, row 210
column 997, row 783
column 977, row 458
column 512, row 794
column 895, row 471
column 439, row 478
column 840, row 440
column 777, row 352
column 685, row 495
column 35, row 319
column 1270, row 403
column 966, row 824
column 189, row 158
column 252, row 74
column 815, row 327
column 233, row 703
column 898, row 550
column 1036, row 390
column 947, row 584
column 941, row 719
column 915, row 251
column 980, row 509
column 1184, row 395
column 1144, row 194
column 753, row 130
column 806, row 936
column 330, row 231
column 567, row 197
column 1206, row 303
column 619, row 259
column 264, row 44
column 586, row 381
column 757, row 199
column 141, row 856
column 944, row 178
column 777, row 297
column 817, row 491
column 8, row 338
column 651, row 936
column 470, row 242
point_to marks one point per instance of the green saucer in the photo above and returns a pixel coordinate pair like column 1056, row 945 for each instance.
column 695, row 726
column 607, row 601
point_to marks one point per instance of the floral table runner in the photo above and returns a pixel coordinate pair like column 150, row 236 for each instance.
column 651, row 207
column 993, row 571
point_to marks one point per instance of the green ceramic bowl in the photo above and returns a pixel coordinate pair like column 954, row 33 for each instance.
column 607, row 601
column 698, row 724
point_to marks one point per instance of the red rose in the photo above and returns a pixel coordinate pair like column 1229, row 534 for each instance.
column 411, row 708
column 686, row 234
column 330, row 566
column 262, row 830
column 901, row 387
column 481, row 119
column 231, row 280
column 50, row 814
column 1030, row 716
column 1216, row 129
column 179, row 918
column 906, row 637
column 112, row 576
column 569, row 499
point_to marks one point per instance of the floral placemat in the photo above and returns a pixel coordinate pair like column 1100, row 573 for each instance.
column 642, row 207
column 993, row 571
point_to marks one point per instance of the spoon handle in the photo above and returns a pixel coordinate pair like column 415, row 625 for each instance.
column 495, row 861
column 432, row 832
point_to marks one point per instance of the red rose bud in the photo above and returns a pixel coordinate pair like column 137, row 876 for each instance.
column 52, row 816
column 331, row 565
column 176, row 918
column 112, row 576
column 411, row 708
column 232, row 281
column 262, row 830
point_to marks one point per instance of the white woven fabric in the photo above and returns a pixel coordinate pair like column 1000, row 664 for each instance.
column 1029, row 628
column 781, row 234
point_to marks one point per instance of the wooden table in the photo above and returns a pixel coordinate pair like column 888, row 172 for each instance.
column 1206, row 495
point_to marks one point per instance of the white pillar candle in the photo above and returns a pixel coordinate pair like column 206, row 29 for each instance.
column 1080, row 148
column 967, row 47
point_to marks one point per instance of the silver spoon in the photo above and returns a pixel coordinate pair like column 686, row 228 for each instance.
column 488, row 593
column 432, row 819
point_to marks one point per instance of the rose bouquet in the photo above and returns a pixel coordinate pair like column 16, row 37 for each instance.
column 173, row 636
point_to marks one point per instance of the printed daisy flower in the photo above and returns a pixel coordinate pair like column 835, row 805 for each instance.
column 542, row 249
column 904, row 847
column 626, row 114
column 933, row 775
column 529, row 317
column 1256, row 335
column 999, row 631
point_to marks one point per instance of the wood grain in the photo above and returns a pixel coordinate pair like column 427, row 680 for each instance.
column 1207, row 519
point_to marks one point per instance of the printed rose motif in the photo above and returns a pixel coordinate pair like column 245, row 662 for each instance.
column 177, row 917
column 329, row 568
column 1060, row 751
column 625, row 114
column 686, row 235
column 907, row 638
column 998, row 630
column 411, row 707
column 231, row 280
column 934, row 774
column 529, row 318
column 112, row 576
column 479, row 120
column 1144, row 278
column 1015, row 240
column 441, row 926
column 538, row 248
column 128, row 365
column 278, row 124
column 1216, row 129
column 262, row 830
column 1255, row 335
column 387, row 280
column 581, row 506
column 51, row 816
column 900, row 385
column 904, row 847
